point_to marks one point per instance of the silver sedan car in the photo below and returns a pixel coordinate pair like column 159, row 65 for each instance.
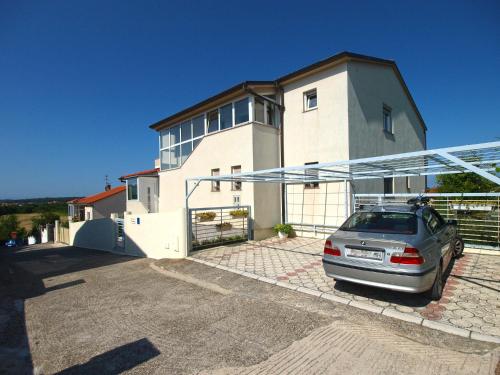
column 405, row 248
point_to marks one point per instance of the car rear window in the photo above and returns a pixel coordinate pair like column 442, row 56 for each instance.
column 382, row 222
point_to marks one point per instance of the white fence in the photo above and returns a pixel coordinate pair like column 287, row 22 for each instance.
column 478, row 214
column 159, row 235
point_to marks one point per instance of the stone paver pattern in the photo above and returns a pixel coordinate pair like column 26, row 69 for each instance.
column 471, row 297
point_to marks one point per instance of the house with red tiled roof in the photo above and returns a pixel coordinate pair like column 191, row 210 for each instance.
column 98, row 206
column 142, row 191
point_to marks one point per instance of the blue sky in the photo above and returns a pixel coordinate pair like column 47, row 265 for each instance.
column 80, row 81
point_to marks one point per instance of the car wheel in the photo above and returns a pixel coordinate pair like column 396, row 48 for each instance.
column 457, row 247
column 436, row 292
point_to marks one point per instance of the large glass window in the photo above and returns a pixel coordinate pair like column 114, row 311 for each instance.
column 186, row 149
column 179, row 141
column 164, row 136
column 259, row 110
column 213, row 121
column 226, row 116
column 198, row 126
column 175, row 153
column 241, row 111
column 132, row 189
column 175, row 134
column 186, row 133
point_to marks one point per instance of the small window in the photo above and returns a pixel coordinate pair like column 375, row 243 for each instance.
column 388, row 127
column 408, row 183
column 312, row 174
column 215, row 184
column 388, row 185
column 236, row 185
column 213, row 121
column 236, row 200
column 310, row 100
column 132, row 189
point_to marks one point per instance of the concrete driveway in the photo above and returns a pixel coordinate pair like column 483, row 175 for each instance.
column 68, row 310
column 470, row 305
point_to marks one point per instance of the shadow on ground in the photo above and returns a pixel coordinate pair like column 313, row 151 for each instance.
column 390, row 296
column 19, row 282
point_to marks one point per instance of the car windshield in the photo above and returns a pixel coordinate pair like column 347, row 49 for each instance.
column 382, row 222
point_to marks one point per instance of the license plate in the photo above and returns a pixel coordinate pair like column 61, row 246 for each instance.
column 365, row 254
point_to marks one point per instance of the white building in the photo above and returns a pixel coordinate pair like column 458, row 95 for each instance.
column 347, row 106
column 98, row 206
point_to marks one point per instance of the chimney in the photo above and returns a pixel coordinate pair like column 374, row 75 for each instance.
column 107, row 186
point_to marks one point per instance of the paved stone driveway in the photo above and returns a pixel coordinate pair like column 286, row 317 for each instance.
column 471, row 297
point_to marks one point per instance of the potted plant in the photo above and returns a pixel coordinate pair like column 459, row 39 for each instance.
column 205, row 216
column 224, row 226
column 238, row 213
column 283, row 230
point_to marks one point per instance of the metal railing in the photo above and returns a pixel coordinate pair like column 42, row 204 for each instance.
column 478, row 214
column 214, row 226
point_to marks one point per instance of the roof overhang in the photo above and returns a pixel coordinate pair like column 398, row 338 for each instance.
column 212, row 102
column 481, row 159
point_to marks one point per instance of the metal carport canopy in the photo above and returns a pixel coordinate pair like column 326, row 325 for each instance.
column 479, row 158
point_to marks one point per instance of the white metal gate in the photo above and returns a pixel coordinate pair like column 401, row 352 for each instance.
column 215, row 226
column 120, row 233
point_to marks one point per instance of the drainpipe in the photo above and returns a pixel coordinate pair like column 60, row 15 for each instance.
column 282, row 151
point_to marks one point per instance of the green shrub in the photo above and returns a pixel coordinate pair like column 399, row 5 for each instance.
column 238, row 213
column 9, row 224
column 206, row 216
column 283, row 228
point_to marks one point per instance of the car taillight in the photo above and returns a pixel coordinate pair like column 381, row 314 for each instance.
column 409, row 256
column 330, row 249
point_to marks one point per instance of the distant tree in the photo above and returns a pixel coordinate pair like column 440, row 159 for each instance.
column 465, row 183
column 9, row 224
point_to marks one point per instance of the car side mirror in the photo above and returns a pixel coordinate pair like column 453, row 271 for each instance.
column 453, row 222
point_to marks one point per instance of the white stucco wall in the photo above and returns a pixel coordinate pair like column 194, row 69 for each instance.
column 156, row 235
column 371, row 86
column 140, row 205
column 98, row 234
column 250, row 146
column 319, row 135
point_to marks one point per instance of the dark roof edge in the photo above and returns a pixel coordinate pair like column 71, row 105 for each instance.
column 332, row 59
column 236, row 88
column 318, row 65
column 357, row 56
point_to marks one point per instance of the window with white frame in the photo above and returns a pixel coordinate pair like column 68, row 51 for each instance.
column 226, row 116
column 179, row 141
column 132, row 189
column 215, row 184
column 310, row 100
column 241, row 114
column 236, row 185
column 387, row 119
